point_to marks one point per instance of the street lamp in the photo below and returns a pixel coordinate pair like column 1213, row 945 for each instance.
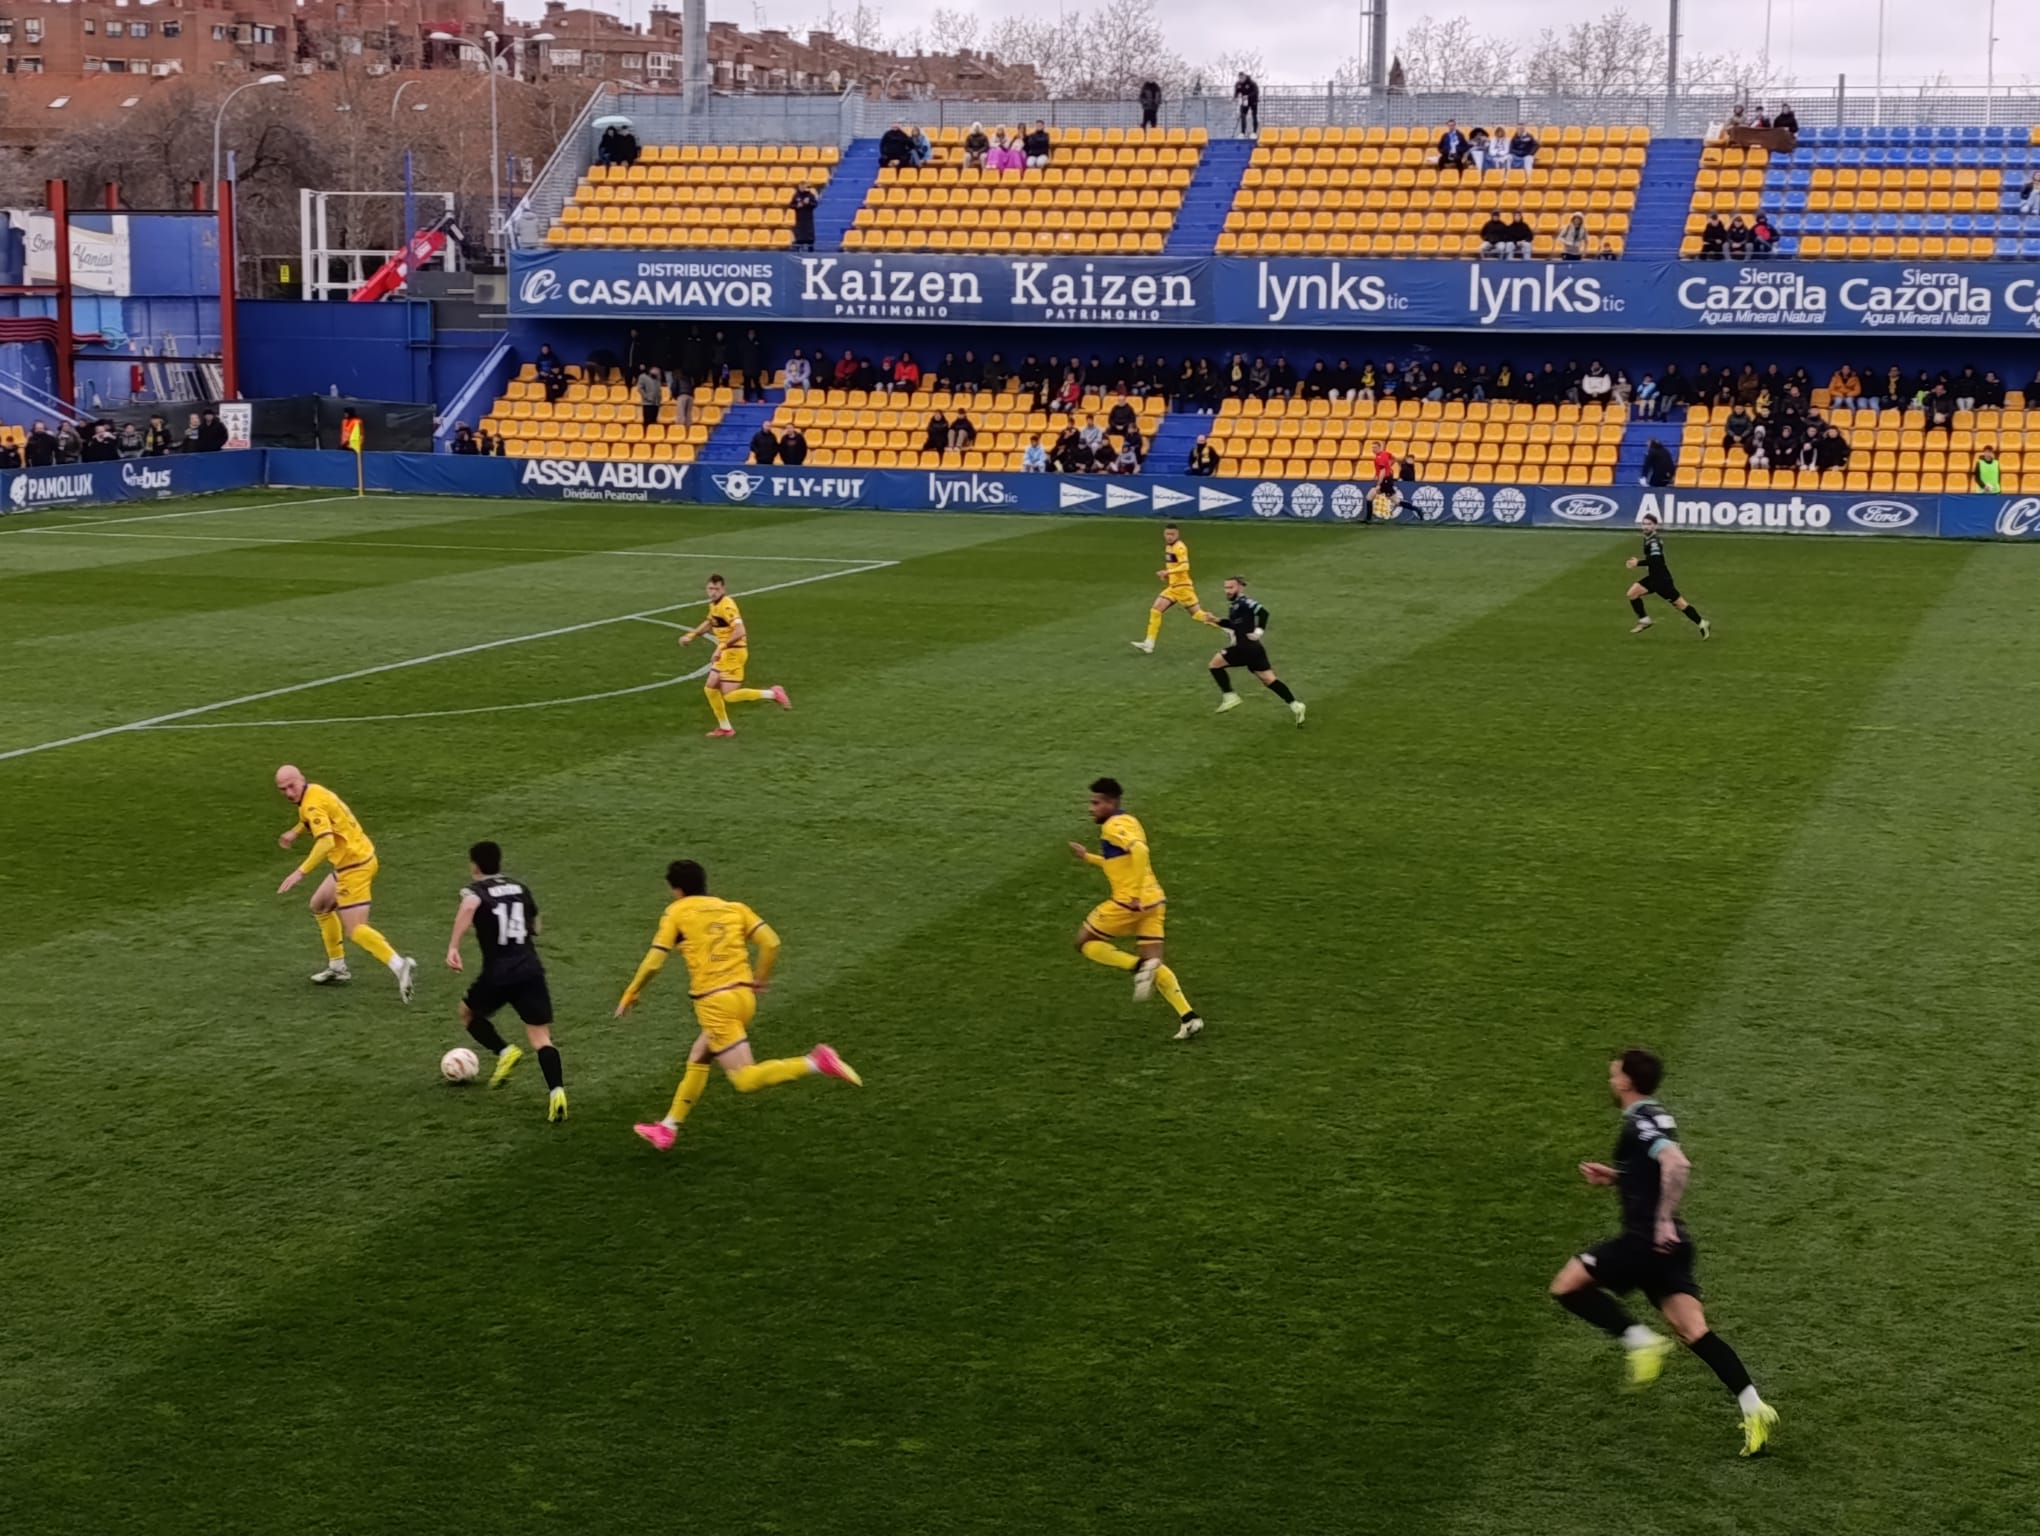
column 220, row 119
column 398, row 98
column 492, row 55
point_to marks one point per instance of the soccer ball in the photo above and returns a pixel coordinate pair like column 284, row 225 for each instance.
column 459, row 1065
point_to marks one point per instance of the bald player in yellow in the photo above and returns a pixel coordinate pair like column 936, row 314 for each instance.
column 342, row 899
column 1176, row 589
column 725, row 685
column 714, row 938
column 1135, row 909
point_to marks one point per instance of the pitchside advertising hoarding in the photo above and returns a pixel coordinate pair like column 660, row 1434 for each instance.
column 1979, row 298
column 158, row 479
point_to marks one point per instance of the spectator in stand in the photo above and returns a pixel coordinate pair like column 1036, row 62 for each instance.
column 895, row 148
column 1122, row 418
column 1623, row 391
column 1523, row 149
column 2029, row 194
column 39, row 450
column 1496, row 240
column 1247, row 97
column 906, row 375
column 846, row 369
column 1034, row 461
column 1891, row 393
column 651, row 393
column 1004, row 156
column 975, row 147
column 1990, row 394
column 1606, row 251
column 1260, row 380
column 1091, row 435
column 1203, row 457
column 1658, row 468
column 1940, row 407
column 1988, row 473
column 1455, row 150
column 1738, row 239
column 1068, row 456
column 1966, row 388
column 793, row 446
column 1282, row 378
column 919, row 150
column 1477, row 143
column 129, row 437
column 156, row 441
column 1831, row 449
column 804, row 202
column 1787, row 119
column 1038, row 147
column 937, row 440
column 1150, row 103
column 1739, row 431
column 101, row 447
column 608, row 149
column 764, row 444
column 1069, row 395
column 1521, row 237
column 963, row 432
column 799, row 372
column 1844, row 389
column 464, row 440
column 10, row 456
column 188, row 443
column 1572, row 238
column 968, row 375
column 1649, row 399
column 1763, row 236
column 71, row 442
column 212, row 433
column 1128, row 460
column 1384, row 462
column 1317, row 384
column 1713, row 238
column 552, row 373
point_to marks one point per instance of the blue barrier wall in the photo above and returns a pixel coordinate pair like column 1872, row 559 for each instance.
column 372, row 351
column 1304, row 293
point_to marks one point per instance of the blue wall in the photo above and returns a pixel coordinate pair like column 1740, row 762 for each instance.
column 371, row 351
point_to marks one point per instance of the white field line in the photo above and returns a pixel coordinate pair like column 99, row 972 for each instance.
column 156, row 517
column 435, row 714
column 664, row 623
column 417, row 661
column 341, row 541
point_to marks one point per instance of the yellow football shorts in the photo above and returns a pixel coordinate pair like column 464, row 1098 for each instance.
column 730, row 665
column 1116, row 922
column 351, row 884
column 725, row 1016
column 1182, row 597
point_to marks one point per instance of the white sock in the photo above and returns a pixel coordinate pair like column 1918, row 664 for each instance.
column 1748, row 1400
column 397, row 965
column 1636, row 1336
column 670, row 1123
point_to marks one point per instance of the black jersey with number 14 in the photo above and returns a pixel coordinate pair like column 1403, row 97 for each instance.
column 1656, row 572
column 506, row 926
column 1647, row 1128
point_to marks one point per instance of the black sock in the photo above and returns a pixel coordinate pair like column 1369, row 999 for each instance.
column 1692, row 613
column 1722, row 1359
column 1218, row 676
column 1594, row 1305
column 549, row 1064
column 1281, row 691
column 1637, row 604
column 486, row 1036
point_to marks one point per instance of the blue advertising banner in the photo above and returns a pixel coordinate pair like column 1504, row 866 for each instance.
column 1973, row 298
column 64, row 485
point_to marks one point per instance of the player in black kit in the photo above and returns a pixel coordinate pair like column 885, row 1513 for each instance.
column 504, row 916
column 1654, row 1254
column 1657, row 580
column 1246, row 621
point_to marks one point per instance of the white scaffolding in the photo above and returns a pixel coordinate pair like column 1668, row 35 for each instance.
column 334, row 271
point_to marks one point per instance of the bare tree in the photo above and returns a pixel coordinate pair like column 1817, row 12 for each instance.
column 1101, row 55
column 858, row 23
column 1613, row 54
column 1453, row 55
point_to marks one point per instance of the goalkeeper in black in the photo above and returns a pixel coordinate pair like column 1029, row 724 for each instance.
column 1246, row 621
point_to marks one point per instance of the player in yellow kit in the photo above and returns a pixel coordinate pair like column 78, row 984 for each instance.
column 1176, row 589
column 725, row 685
column 714, row 938
column 342, row 900
column 1135, row 910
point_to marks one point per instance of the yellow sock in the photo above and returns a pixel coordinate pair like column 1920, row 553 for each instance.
column 1154, row 624
column 1172, row 994
column 691, row 1083
column 1109, row 954
column 715, row 702
column 743, row 695
column 764, row 1074
column 334, row 935
column 375, row 944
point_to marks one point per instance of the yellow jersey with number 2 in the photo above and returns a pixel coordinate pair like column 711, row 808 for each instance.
column 714, row 939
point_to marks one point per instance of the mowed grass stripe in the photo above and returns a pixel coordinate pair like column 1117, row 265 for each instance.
column 1843, row 1084
column 953, row 874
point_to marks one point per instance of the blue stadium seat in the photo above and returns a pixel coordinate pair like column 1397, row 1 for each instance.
column 2002, row 134
column 1855, row 136
column 1972, row 135
column 1937, row 223
column 1862, row 223
column 1820, row 135
column 1971, row 156
column 1827, row 157
column 1887, row 224
column 1948, row 133
column 1794, row 202
column 1788, row 245
column 1813, row 223
column 1874, row 156
column 1912, row 224
column 2029, row 249
column 1798, row 181
column 1943, row 157
column 1962, row 224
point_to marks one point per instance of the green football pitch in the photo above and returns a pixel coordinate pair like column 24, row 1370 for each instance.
column 1048, row 1271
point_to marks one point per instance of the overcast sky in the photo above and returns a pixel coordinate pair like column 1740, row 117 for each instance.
column 1813, row 40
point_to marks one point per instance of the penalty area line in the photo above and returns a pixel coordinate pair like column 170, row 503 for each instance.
column 157, row 517
column 154, row 721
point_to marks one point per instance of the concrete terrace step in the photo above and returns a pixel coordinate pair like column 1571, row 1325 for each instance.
column 1209, row 198
column 730, row 442
column 1659, row 221
column 856, row 174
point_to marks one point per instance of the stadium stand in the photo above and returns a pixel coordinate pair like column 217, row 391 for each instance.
column 598, row 421
column 1378, row 192
column 1483, row 440
column 859, row 429
column 1876, row 194
column 694, row 197
column 1889, row 451
column 1105, row 191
